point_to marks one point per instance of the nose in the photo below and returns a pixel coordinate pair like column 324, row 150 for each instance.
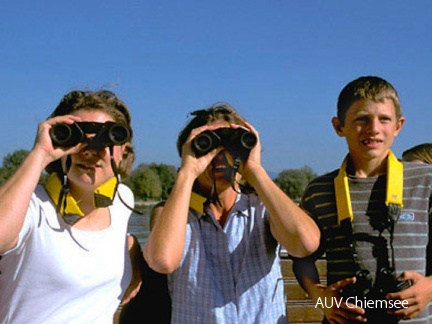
column 374, row 126
column 88, row 152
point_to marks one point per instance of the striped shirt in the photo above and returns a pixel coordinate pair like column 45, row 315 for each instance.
column 411, row 231
column 230, row 274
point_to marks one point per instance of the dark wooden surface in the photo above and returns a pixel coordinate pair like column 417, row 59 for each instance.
column 300, row 307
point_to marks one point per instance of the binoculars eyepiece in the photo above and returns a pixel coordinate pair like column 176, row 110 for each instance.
column 109, row 133
column 238, row 140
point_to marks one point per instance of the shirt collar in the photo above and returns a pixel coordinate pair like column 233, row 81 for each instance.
column 197, row 204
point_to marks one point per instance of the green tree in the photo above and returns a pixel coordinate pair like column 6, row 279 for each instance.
column 11, row 162
column 294, row 181
column 167, row 174
column 145, row 183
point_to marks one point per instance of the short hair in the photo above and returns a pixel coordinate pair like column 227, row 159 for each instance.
column 366, row 87
column 101, row 100
column 421, row 152
column 218, row 111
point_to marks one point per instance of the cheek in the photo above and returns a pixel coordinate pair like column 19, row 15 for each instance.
column 118, row 153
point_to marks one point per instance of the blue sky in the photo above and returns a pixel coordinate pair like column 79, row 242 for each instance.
column 281, row 63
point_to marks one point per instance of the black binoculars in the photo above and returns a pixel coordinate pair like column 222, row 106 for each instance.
column 385, row 282
column 238, row 141
column 106, row 134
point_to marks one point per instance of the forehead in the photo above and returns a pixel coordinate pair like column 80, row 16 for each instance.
column 367, row 107
column 93, row 115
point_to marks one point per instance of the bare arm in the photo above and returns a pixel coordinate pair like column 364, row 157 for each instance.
column 289, row 224
column 15, row 194
column 164, row 246
column 136, row 261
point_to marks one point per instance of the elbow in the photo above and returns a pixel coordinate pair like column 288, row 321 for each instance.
column 311, row 241
column 161, row 263
column 311, row 247
column 163, row 267
column 308, row 246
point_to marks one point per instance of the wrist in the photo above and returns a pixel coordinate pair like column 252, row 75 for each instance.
column 186, row 176
column 39, row 159
column 253, row 174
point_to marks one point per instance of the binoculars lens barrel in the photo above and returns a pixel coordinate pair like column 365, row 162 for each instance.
column 108, row 133
column 249, row 140
column 66, row 135
column 239, row 140
column 204, row 142
column 118, row 134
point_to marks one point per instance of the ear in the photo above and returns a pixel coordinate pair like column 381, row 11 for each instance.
column 337, row 125
column 399, row 125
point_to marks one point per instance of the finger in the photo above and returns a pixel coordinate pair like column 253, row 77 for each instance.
column 67, row 119
column 198, row 130
column 343, row 283
column 251, row 128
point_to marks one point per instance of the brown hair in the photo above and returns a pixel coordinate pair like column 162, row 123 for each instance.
column 367, row 87
column 218, row 111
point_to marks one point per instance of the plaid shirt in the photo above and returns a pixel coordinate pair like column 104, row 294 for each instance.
column 230, row 274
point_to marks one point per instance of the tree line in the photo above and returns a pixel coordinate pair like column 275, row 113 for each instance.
column 153, row 181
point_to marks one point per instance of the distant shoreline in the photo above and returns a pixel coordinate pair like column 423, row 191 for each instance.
column 144, row 203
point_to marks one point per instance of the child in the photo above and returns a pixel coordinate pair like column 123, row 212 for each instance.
column 217, row 239
column 64, row 245
column 374, row 217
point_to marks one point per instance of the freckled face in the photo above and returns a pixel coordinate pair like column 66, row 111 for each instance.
column 370, row 128
column 90, row 168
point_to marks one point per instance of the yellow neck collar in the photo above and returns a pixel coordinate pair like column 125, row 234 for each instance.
column 394, row 189
column 67, row 206
column 197, row 202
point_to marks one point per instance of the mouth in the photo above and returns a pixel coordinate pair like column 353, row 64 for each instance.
column 220, row 163
column 371, row 142
column 87, row 167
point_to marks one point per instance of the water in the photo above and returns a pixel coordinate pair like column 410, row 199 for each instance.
column 139, row 224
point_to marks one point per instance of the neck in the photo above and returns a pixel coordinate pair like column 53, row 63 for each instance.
column 227, row 200
column 369, row 168
column 84, row 200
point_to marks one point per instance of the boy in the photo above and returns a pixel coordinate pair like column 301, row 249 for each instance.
column 374, row 216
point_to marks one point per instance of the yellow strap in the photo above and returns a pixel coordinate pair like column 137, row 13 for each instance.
column 394, row 189
column 343, row 197
column 107, row 189
column 394, row 192
column 53, row 187
column 197, row 202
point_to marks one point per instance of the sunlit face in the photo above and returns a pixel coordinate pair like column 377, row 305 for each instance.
column 370, row 128
column 90, row 168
